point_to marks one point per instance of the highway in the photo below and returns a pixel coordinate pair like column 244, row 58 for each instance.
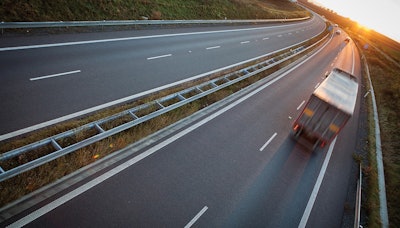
column 236, row 167
column 44, row 78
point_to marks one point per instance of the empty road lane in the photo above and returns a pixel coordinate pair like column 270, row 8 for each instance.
column 48, row 77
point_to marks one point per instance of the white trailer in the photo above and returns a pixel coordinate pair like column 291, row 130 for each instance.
column 327, row 111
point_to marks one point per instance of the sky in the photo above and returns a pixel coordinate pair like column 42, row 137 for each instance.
column 382, row 16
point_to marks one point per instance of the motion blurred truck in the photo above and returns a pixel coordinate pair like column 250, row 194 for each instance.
column 327, row 111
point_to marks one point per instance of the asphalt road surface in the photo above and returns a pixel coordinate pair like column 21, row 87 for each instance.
column 236, row 167
column 49, row 77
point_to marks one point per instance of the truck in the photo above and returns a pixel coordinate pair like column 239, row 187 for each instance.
column 327, row 111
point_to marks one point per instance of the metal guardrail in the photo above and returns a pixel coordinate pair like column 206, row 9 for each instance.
column 133, row 117
column 358, row 201
column 58, row 24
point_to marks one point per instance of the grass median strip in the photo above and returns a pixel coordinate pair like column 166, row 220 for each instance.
column 29, row 181
column 24, row 183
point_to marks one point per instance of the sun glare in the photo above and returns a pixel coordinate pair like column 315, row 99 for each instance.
column 377, row 15
column 362, row 27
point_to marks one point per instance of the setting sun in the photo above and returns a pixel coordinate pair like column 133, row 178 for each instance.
column 377, row 15
column 362, row 27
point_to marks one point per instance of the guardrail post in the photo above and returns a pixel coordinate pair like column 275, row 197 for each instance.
column 358, row 201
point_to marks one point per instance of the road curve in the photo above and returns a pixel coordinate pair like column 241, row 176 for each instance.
column 235, row 167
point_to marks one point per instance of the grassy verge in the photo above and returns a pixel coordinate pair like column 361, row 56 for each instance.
column 32, row 180
column 385, row 77
column 370, row 170
column 74, row 10
column 386, row 81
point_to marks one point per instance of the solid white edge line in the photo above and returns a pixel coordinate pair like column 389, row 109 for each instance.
column 160, row 56
column 314, row 193
column 190, row 224
column 302, row 103
column 67, row 197
column 55, row 75
column 268, row 142
column 316, row 85
column 215, row 47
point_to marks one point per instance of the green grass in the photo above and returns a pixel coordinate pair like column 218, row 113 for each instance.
column 75, row 10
